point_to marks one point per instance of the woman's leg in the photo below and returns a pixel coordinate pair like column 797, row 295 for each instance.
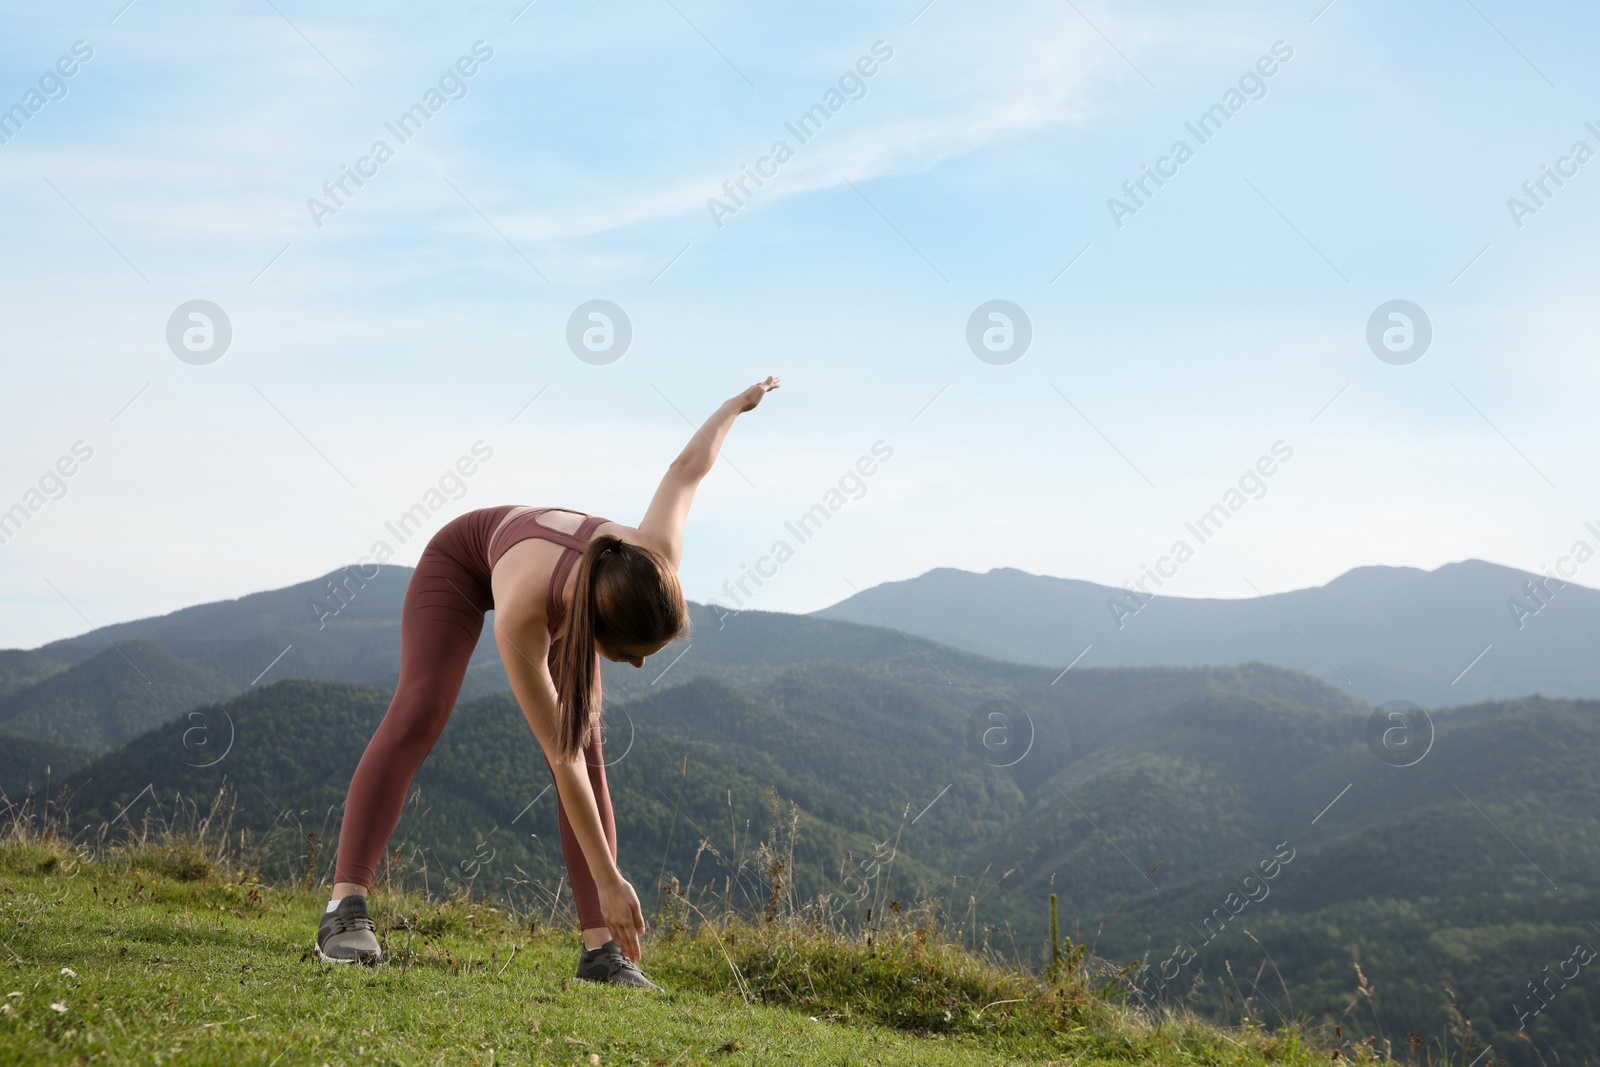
column 439, row 627
column 584, row 891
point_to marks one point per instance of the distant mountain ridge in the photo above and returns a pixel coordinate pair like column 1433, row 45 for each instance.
column 1463, row 632
column 20, row 669
column 1439, row 638
column 343, row 623
column 111, row 698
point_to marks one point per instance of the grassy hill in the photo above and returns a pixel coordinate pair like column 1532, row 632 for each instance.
column 167, row 949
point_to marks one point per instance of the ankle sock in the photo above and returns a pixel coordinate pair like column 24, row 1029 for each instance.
column 333, row 905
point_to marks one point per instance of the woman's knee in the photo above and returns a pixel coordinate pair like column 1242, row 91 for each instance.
column 417, row 719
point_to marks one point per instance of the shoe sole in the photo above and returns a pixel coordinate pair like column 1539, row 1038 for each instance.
column 620, row 985
column 369, row 961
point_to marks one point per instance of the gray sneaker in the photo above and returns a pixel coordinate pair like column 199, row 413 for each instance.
column 608, row 965
column 347, row 934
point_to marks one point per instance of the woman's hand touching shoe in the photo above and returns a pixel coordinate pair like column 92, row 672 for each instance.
column 619, row 906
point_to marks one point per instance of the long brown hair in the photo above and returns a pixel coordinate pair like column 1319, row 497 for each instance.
column 625, row 595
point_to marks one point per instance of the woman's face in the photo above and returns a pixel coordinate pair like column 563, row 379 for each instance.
column 634, row 654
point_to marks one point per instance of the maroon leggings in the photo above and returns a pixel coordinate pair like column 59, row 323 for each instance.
column 439, row 626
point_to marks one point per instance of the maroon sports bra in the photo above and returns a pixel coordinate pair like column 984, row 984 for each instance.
column 526, row 525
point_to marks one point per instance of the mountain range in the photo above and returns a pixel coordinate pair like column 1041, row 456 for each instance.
column 1208, row 819
column 1463, row 632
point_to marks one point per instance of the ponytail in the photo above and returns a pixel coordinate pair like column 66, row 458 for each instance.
column 625, row 594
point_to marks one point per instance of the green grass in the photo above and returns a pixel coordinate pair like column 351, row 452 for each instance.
column 158, row 954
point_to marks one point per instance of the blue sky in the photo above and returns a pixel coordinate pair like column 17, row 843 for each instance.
column 368, row 354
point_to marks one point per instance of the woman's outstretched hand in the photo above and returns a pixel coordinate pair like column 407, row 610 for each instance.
column 748, row 399
column 619, row 906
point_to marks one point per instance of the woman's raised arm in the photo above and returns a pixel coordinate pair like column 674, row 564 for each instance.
column 663, row 520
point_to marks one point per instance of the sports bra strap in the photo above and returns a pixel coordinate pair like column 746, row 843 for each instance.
column 571, row 540
column 527, row 526
column 573, row 548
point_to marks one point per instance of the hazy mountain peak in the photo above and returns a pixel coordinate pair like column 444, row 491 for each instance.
column 1377, row 572
column 1467, row 630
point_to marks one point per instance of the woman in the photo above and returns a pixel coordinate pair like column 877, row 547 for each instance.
column 565, row 589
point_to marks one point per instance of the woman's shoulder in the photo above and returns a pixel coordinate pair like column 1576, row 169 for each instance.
column 634, row 536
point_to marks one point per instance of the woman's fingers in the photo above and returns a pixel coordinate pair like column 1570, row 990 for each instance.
column 628, row 939
column 753, row 395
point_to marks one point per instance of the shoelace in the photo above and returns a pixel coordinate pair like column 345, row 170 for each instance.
column 344, row 924
column 615, row 961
